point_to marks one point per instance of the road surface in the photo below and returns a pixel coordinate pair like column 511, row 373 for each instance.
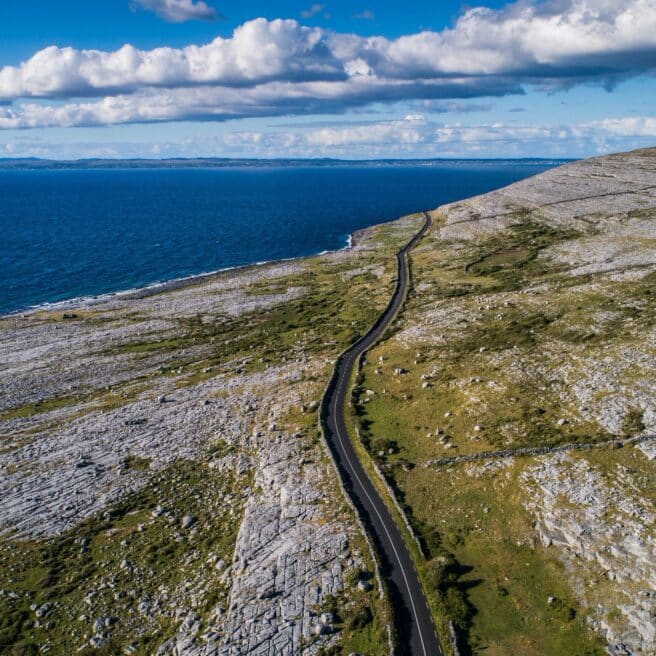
column 414, row 625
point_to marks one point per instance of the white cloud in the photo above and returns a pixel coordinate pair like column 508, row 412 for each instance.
column 223, row 103
column 259, row 50
column 403, row 132
column 416, row 130
column 627, row 127
column 411, row 137
column 281, row 67
column 312, row 11
column 367, row 14
column 415, row 136
column 583, row 38
column 178, row 11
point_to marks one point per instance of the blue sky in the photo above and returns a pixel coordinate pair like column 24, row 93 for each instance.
column 158, row 78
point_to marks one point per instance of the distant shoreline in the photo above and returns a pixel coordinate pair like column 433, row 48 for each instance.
column 36, row 164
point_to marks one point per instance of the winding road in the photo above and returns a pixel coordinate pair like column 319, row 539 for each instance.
column 414, row 625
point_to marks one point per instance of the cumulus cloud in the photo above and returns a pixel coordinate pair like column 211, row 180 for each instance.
column 258, row 51
column 178, row 11
column 279, row 66
column 225, row 103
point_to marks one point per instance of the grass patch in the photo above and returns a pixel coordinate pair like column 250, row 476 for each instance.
column 490, row 577
column 361, row 620
column 136, row 463
column 125, row 565
column 31, row 409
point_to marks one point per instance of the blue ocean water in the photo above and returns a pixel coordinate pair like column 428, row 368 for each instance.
column 71, row 233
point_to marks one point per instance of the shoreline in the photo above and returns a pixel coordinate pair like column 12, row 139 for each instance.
column 87, row 299
column 159, row 287
column 210, row 163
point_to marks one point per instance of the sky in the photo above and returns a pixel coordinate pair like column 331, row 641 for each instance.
column 356, row 79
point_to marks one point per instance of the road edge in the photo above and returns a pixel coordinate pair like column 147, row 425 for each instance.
column 402, row 256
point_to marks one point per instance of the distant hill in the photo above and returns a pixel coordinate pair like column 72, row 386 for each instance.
column 31, row 163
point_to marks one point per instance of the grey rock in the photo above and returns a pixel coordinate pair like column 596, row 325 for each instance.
column 188, row 521
column 364, row 586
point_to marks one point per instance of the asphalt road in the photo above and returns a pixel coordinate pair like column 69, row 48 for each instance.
column 414, row 625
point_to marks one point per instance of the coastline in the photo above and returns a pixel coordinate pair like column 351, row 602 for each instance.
column 93, row 164
column 84, row 284
column 160, row 287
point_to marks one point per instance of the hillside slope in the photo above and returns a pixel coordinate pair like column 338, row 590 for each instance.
column 165, row 488
column 514, row 407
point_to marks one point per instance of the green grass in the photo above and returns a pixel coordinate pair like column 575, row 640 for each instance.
column 500, row 580
column 87, row 562
column 148, row 347
column 31, row 409
column 499, row 263
column 504, row 258
column 485, row 570
column 361, row 622
column 84, row 402
column 136, row 463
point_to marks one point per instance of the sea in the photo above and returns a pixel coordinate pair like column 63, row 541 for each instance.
column 70, row 233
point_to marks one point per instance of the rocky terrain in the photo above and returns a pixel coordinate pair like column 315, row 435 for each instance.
column 165, row 487
column 513, row 409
